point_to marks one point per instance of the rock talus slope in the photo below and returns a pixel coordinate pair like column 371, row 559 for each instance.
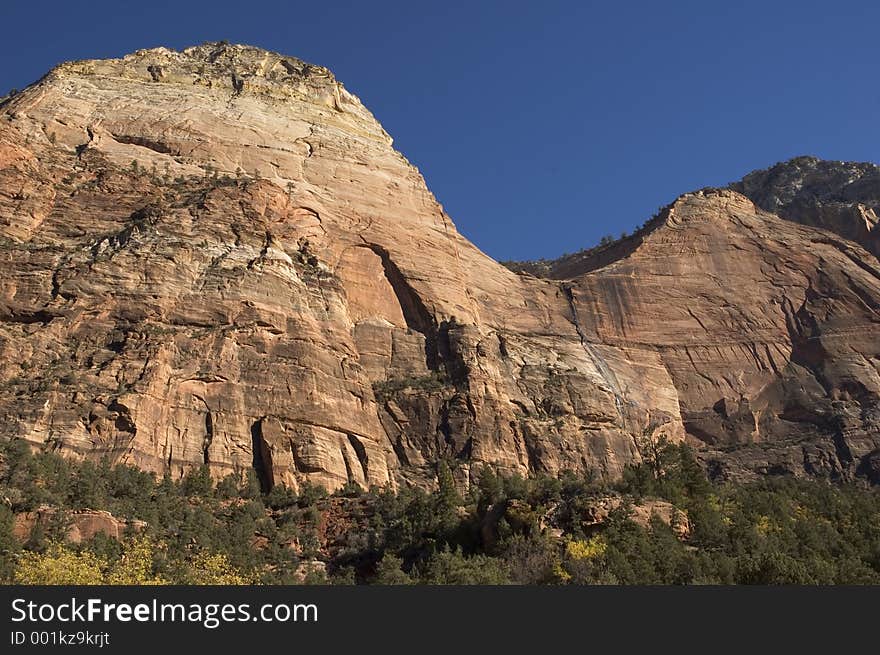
column 216, row 256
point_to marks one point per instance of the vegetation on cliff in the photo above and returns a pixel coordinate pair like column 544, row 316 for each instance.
column 503, row 530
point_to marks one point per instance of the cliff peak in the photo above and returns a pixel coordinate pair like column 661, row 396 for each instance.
column 840, row 196
column 211, row 60
column 234, row 109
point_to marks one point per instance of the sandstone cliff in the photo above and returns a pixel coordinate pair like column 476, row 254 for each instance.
column 216, row 256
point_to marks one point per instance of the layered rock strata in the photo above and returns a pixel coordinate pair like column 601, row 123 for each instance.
column 216, row 257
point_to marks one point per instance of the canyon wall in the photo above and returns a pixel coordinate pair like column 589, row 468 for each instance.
column 216, row 256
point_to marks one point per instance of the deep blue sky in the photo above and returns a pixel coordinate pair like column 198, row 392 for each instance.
column 540, row 126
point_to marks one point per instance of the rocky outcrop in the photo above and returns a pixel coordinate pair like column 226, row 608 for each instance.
column 216, row 257
column 843, row 197
column 79, row 526
column 596, row 512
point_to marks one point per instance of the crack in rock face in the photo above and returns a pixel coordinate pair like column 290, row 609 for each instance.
column 216, row 257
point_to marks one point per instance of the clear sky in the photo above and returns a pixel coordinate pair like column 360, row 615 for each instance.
column 540, row 126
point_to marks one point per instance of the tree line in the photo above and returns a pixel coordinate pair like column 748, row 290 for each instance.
column 502, row 530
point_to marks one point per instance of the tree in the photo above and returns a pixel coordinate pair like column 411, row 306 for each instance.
column 490, row 488
column 197, row 482
column 88, row 487
column 452, row 567
column 690, row 473
column 447, row 495
column 389, row 571
column 532, row 560
column 281, row 497
column 214, row 569
column 8, row 545
column 447, row 501
column 772, row 568
column 228, row 487
column 135, row 567
column 59, row 565
column 656, row 451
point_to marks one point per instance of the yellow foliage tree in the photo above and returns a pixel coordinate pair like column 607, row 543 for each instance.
column 592, row 548
column 560, row 573
column 62, row 565
column 215, row 569
column 59, row 565
column 135, row 567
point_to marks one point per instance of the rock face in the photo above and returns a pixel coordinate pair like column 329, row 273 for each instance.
column 216, row 257
column 768, row 332
column 81, row 525
column 843, row 197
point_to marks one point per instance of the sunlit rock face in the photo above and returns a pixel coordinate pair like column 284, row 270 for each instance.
column 216, row 257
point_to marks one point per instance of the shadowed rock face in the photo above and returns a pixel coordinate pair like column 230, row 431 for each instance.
column 216, row 257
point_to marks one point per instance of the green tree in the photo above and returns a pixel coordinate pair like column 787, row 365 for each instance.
column 197, row 482
column 389, row 571
column 452, row 567
column 9, row 547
